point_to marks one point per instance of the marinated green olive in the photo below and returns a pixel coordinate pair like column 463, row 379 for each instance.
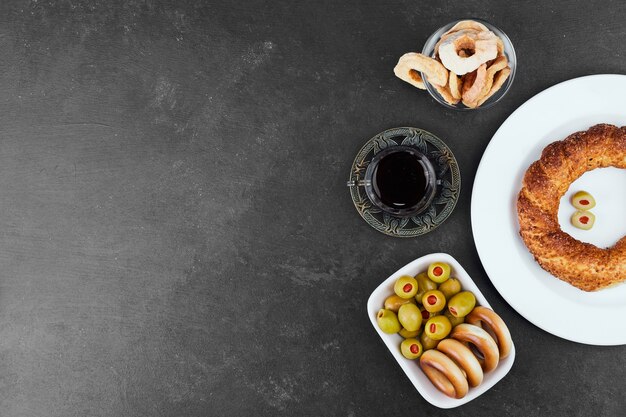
column 461, row 304
column 450, row 287
column 582, row 200
column 583, row 220
column 438, row 327
column 424, row 284
column 410, row 317
column 427, row 314
column 405, row 287
column 434, row 301
column 393, row 302
column 388, row 321
column 454, row 320
column 410, row 334
column 411, row 348
column 427, row 342
column 439, row 272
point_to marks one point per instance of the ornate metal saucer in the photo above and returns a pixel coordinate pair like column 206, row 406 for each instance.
column 448, row 182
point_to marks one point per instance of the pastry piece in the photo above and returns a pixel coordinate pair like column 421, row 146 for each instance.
column 445, row 375
column 411, row 64
column 487, row 319
column 484, row 343
column 580, row 264
column 464, row 358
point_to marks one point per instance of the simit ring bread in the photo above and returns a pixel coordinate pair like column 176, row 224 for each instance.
column 464, row 358
column 445, row 375
column 487, row 318
column 484, row 343
column 581, row 264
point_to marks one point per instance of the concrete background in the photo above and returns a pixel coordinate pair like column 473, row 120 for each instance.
column 176, row 235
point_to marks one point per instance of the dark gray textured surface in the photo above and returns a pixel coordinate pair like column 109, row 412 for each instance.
column 177, row 238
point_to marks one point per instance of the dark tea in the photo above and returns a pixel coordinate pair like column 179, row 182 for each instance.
column 401, row 181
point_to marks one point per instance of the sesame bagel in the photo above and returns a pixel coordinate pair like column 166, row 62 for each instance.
column 580, row 264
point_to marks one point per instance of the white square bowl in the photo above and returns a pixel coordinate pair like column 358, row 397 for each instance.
column 411, row 367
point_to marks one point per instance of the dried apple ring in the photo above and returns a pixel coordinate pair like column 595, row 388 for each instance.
column 469, row 24
column 499, row 46
column 446, row 94
column 472, row 94
column 454, row 84
column 448, row 34
column 409, row 75
column 467, row 81
column 498, row 81
column 410, row 63
column 483, row 47
column 497, row 65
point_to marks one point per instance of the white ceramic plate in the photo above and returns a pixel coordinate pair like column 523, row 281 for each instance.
column 557, row 307
column 411, row 367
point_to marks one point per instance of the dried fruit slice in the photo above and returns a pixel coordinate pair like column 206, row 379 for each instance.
column 454, row 84
column 446, row 94
column 482, row 48
column 498, row 64
column 469, row 24
column 450, row 33
column 498, row 81
column 500, row 46
column 471, row 95
column 411, row 64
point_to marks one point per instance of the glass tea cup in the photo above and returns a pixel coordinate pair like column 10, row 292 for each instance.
column 399, row 180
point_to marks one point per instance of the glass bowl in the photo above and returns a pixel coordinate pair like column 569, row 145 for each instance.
column 509, row 52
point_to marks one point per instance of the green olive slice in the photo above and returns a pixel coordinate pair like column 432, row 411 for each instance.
column 582, row 200
column 583, row 220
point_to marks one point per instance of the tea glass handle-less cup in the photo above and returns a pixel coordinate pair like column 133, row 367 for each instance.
column 417, row 163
